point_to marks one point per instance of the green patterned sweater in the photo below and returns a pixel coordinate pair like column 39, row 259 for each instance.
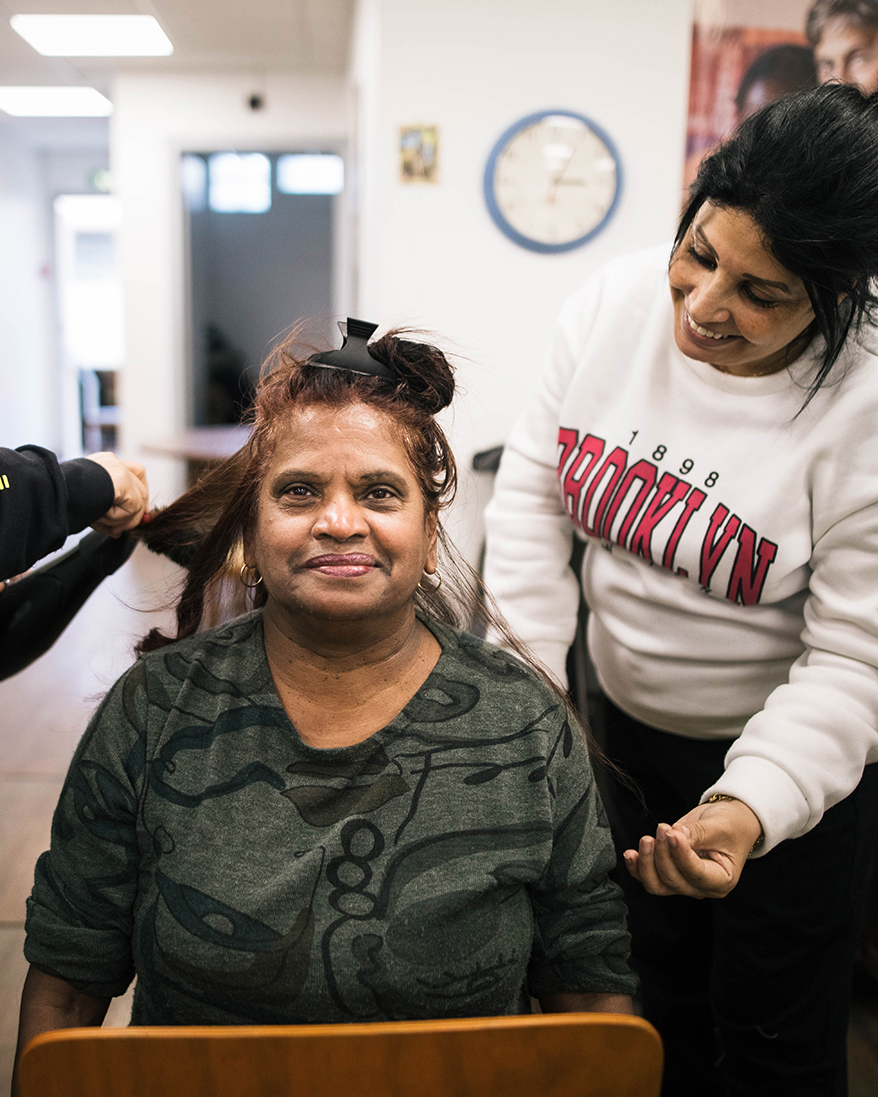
column 447, row 866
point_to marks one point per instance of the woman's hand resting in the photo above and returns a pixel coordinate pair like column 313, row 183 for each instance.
column 701, row 855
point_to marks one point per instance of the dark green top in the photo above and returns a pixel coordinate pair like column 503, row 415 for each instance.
column 446, row 866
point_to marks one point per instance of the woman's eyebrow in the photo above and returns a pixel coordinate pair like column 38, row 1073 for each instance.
column 308, row 476
column 293, row 474
column 387, row 476
column 782, row 286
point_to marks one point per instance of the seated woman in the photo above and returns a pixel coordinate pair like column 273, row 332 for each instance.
column 338, row 807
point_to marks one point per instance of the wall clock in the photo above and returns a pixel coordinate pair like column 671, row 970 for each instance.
column 552, row 181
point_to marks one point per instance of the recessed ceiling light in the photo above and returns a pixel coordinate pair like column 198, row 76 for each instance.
column 93, row 35
column 56, row 102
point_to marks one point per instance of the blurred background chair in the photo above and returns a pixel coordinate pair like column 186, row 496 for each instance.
column 548, row 1055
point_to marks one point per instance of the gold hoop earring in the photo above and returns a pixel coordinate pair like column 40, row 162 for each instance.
column 249, row 586
column 431, row 589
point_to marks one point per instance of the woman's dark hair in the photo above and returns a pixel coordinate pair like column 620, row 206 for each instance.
column 805, row 168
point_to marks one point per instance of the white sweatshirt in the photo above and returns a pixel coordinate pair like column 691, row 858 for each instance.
column 732, row 567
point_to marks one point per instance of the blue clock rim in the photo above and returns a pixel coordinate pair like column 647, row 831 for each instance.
column 488, row 183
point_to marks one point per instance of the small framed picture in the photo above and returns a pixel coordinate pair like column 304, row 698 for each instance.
column 418, row 154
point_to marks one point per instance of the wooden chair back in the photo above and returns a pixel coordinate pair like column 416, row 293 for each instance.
column 548, row 1055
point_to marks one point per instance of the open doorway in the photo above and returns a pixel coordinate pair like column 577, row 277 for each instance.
column 260, row 232
column 91, row 332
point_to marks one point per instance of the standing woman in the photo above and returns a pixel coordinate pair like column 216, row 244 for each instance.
column 708, row 427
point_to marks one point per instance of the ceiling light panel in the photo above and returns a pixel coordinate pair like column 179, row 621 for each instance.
column 54, row 102
column 93, row 35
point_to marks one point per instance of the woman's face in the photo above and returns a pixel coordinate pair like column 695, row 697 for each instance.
column 735, row 306
column 342, row 531
column 848, row 53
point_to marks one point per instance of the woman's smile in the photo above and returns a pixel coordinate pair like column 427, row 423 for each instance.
column 348, row 565
column 696, row 331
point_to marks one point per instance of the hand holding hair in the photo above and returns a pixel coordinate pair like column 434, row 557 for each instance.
column 701, row 855
column 131, row 494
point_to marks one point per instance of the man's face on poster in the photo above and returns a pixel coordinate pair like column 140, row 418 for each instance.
column 848, row 53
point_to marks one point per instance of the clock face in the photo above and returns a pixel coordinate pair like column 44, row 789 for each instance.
column 552, row 181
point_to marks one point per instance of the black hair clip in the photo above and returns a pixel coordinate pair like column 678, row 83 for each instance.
column 354, row 353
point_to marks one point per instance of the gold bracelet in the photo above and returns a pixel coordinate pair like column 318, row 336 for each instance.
column 760, row 841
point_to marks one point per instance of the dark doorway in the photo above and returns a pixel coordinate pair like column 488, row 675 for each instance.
column 260, row 260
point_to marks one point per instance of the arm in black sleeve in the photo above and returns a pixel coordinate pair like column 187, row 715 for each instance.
column 42, row 502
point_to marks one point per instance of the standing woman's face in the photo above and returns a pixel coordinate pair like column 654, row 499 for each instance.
column 342, row 530
column 735, row 306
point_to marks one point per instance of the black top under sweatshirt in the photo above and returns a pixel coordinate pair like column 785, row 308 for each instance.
column 43, row 501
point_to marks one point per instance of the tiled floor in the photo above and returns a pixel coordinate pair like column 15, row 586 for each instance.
column 43, row 711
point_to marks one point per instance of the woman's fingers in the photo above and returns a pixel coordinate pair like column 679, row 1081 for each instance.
column 650, row 864
column 701, row 856
column 664, row 867
column 668, row 865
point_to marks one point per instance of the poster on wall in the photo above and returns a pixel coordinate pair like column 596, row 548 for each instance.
column 747, row 53
column 418, row 154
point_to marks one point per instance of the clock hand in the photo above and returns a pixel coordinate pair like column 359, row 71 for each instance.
column 556, row 182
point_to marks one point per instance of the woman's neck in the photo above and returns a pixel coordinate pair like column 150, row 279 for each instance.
column 340, row 682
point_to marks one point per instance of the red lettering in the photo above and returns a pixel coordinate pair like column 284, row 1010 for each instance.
column 578, row 473
column 567, row 440
column 693, row 502
column 713, row 548
column 746, row 581
column 670, row 492
column 645, row 473
column 614, row 464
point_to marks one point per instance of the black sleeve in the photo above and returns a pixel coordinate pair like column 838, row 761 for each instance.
column 42, row 501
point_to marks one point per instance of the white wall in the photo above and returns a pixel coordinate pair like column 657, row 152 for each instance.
column 38, row 160
column 430, row 254
column 155, row 119
column 27, row 405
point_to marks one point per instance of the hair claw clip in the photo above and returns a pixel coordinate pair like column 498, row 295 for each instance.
column 354, row 353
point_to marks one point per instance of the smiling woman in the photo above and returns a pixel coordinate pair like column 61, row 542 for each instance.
column 707, row 428
column 340, row 806
column 735, row 306
column 342, row 538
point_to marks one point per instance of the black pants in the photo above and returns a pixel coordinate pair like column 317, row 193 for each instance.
column 751, row 992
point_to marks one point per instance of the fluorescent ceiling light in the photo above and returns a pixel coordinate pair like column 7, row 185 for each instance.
column 93, row 35
column 56, row 102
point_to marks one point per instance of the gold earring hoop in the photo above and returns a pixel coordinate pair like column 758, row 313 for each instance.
column 250, row 586
column 431, row 589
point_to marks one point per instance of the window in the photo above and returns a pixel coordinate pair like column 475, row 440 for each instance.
column 239, row 182
column 310, row 173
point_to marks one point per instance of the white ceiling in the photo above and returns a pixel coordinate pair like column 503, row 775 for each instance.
column 247, row 36
column 218, row 35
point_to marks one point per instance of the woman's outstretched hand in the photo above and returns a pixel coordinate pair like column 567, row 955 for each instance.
column 701, row 855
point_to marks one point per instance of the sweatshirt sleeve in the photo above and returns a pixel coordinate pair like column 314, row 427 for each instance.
column 42, row 502
column 806, row 749
column 81, row 911
column 581, row 943
column 529, row 535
